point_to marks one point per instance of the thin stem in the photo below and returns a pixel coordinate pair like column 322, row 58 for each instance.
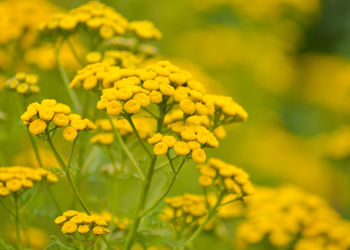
column 67, row 172
column 141, row 203
column 54, row 200
column 74, row 52
column 6, row 207
column 210, row 214
column 65, row 79
column 138, row 136
column 35, row 147
column 126, row 150
column 171, row 162
column 151, row 113
column 155, row 204
column 19, row 241
column 33, row 196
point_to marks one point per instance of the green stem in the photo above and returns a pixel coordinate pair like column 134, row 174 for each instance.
column 74, row 52
column 67, row 172
column 141, row 203
column 65, row 79
column 34, row 195
column 19, row 241
column 138, row 136
column 171, row 162
column 126, row 150
column 54, row 200
column 155, row 204
column 6, row 207
column 36, row 150
column 210, row 214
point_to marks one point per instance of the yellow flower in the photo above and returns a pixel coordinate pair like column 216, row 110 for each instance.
column 4, row 191
column 205, row 181
column 61, row 108
column 13, row 185
column 198, row 156
column 69, row 227
column 46, row 113
column 97, row 230
column 142, row 99
column 37, row 126
column 78, row 124
column 114, row 108
column 83, row 229
column 169, row 140
column 60, row 120
column 93, row 57
column 60, row 219
column 156, row 97
column 68, row 23
column 52, row 178
column 182, row 148
column 187, row 106
column 70, row 213
column 106, row 32
column 132, row 107
column 28, row 115
column 155, row 138
column 160, row 148
column 90, row 82
column 150, row 84
column 70, row 133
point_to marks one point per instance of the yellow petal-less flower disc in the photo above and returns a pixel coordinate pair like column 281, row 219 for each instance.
column 70, row 133
column 37, row 126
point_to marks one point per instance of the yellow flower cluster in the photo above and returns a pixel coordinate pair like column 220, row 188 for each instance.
column 144, row 127
column 15, row 179
column 39, row 116
column 175, row 118
column 226, row 110
column 94, row 16
column 187, row 209
column 193, row 138
column 145, row 29
column 19, row 20
column 225, row 177
column 157, row 83
column 95, row 76
column 73, row 222
column 288, row 217
column 121, row 58
column 24, row 84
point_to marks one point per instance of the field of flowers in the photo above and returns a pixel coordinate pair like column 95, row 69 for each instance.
column 124, row 125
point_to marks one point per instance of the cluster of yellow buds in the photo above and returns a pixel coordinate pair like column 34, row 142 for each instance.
column 225, row 177
column 23, row 83
column 74, row 222
column 95, row 76
column 121, row 58
column 145, row 30
column 290, row 218
column 105, row 136
column 16, row 179
column 177, row 116
column 157, row 83
column 163, row 143
column 95, row 17
column 226, row 110
column 187, row 209
column 39, row 116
